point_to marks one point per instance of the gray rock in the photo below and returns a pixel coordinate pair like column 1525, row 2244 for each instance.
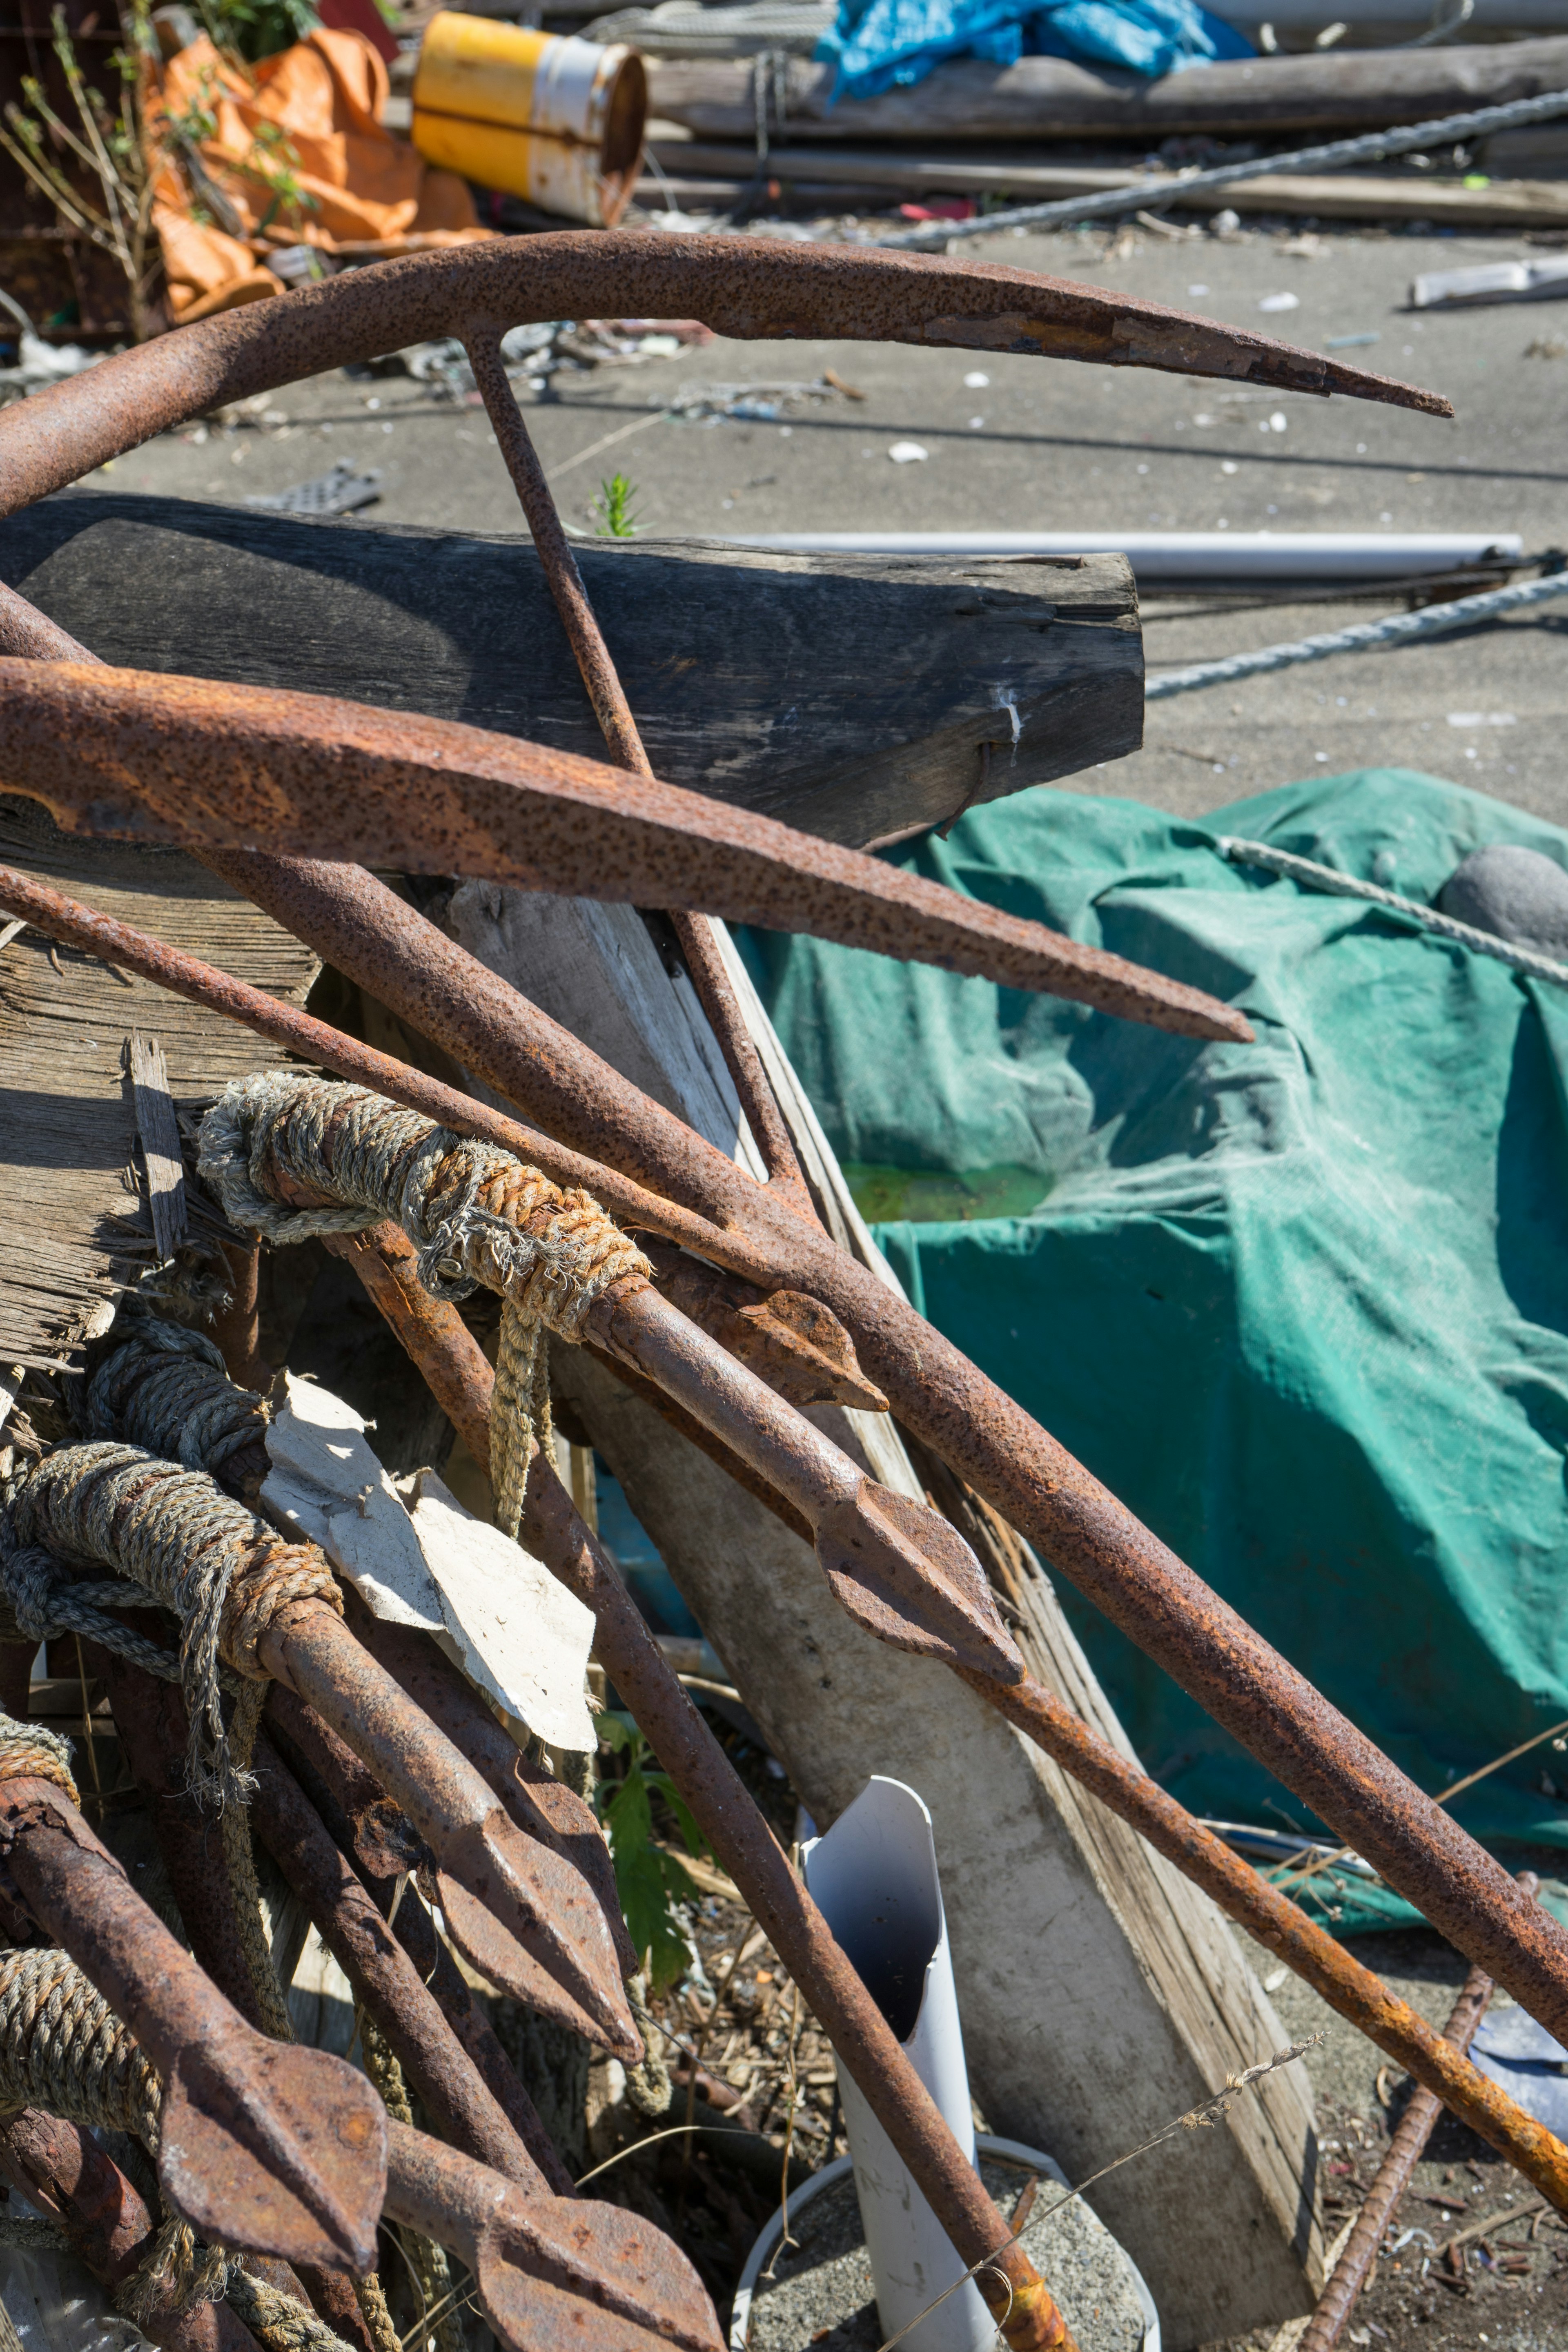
column 821, row 2292
column 1515, row 894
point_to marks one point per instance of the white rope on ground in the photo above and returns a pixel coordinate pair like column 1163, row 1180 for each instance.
column 1313, row 876
column 1398, row 629
column 1371, row 149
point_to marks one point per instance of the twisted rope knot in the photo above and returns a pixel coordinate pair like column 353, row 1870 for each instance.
column 62, row 2048
column 477, row 1215
column 28, row 1752
column 164, row 1387
column 180, row 1542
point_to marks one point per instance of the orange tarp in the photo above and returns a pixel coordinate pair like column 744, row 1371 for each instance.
column 309, row 116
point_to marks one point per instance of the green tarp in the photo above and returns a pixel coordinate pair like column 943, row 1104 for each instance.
column 1303, row 1303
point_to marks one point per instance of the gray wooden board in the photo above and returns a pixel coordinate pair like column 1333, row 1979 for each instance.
column 76, row 1224
column 847, row 696
column 1055, row 98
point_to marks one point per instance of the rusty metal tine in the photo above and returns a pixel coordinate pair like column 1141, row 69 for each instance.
column 1404, row 2152
column 622, row 736
column 1269, row 1917
column 435, row 2064
column 897, row 1566
column 383, row 1839
column 323, row 1775
column 749, row 288
column 729, row 1817
column 939, row 1396
column 61, row 2167
column 261, row 2145
column 491, row 1869
column 712, row 1206
column 183, row 760
column 537, row 2261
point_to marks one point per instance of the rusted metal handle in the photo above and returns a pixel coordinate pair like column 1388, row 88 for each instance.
column 261, row 2145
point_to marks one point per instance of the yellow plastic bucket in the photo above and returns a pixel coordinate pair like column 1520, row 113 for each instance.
column 555, row 119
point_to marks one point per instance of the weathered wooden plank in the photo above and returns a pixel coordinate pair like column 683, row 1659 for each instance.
column 77, row 1226
column 159, row 1129
column 1052, row 98
column 849, row 696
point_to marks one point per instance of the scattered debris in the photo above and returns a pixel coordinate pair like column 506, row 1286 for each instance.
column 342, row 489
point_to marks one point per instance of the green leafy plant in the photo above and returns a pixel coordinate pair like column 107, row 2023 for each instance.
column 253, row 29
column 108, row 199
column 613, row 506
column 651, row 1883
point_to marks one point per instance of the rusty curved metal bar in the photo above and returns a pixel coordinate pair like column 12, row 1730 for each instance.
column 749, row 288
column 708, row 1204
column 231, row 767
column 440, row 1342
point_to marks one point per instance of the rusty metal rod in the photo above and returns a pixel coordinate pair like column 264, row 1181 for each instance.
column 749, row 288
column 1405, row 2149
column 160, row 758
column 694, row 932
column 946, row 1402
column 1126, row 1789
column 61, row 2169
column 261, row 2145
column 434, row 2062
column 711, row 1207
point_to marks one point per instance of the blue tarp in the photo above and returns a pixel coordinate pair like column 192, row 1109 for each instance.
column 1301, row 1304
column 878, row 45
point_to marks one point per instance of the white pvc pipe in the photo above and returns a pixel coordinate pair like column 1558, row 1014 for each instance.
column 874, row 1877
column 1283, row 555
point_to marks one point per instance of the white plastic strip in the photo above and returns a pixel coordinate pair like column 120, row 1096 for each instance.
column 1285, row 555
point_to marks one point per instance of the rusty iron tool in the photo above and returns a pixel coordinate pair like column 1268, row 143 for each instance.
column 1268, row 1916
column 157, row 758
column 61, row 2167
column 655, row 1175
column 543, row 2265
column 332, row 1776
column 1405, row 2149
column 728, row 1817
column 490, row 1869
column 459, row 2107
column 749, row 288
column 150, row 1717
column 261, row 2145
column 945, row 1402
column 896, row 1565
column 385, row 1841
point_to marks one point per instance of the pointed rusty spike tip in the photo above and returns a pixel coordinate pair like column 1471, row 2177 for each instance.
column 574, row 1997
column 260, row 2148
column 552, row 2272
column 905, row 1573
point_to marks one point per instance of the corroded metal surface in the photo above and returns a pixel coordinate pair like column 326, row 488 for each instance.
column 750, row 287
column 183, row 760
column 61, row 2169
column 434, row 2062
column 795, row 1343
column 651, row 1172
column 261, row 2145
column 538, row 2260
column 493, row 1904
